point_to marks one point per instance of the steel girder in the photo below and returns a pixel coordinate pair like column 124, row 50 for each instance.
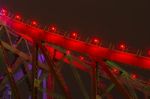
column 51, row 53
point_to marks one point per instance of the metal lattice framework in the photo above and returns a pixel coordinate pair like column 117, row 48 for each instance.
column 37, row 57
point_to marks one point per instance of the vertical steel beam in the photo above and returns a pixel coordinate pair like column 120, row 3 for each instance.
column 50, row 79
column 97, row 77
column 50, row 85
column 34, row 70
column 78, row 79
column 93, row 83
column 56, row 74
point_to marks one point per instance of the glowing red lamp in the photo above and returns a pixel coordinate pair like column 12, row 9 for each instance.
column 96, row 41
column 52, row 29
column 133, row 76
column 74, row 35
column 4, row 12
column 18, row 17
column 122, row 46
column 34, row 23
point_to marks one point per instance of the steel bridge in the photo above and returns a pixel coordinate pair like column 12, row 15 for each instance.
column 38, row 56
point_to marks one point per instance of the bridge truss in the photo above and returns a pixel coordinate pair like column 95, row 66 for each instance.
column 38, row 58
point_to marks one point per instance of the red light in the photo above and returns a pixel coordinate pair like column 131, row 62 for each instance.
column 17, row 17
column 34, row 23
column 4, row 12
column 96, row 41
column 122, row 46
column 52, row 29
column 133, row 76
column 74, row 35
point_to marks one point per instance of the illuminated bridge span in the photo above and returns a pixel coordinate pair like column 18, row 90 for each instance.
column 46, row 50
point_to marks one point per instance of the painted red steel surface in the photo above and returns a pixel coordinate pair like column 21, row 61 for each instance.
column 96, row 52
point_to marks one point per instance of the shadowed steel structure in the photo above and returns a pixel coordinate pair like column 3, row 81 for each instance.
column 39, row 55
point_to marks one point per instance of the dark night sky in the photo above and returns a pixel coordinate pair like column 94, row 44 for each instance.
column 112, row 20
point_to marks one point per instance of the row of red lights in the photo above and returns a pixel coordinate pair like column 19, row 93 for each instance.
column 73, row 35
